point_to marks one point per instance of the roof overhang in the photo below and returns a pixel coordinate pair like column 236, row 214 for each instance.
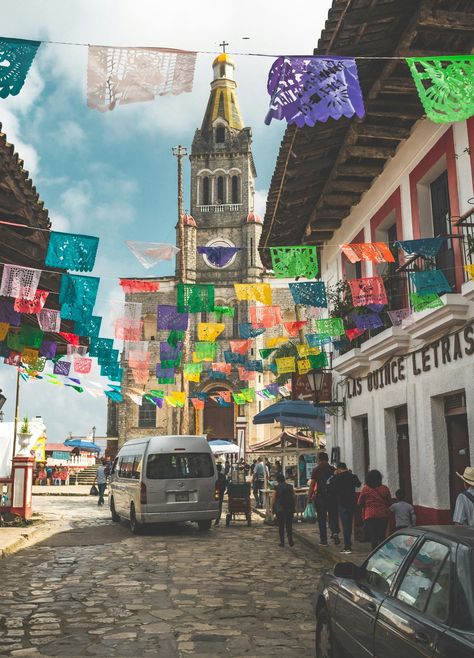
column 322, row 172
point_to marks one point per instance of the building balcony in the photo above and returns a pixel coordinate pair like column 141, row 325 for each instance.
column 352, row 364
column 435, row 322
column 221, row 207
column 392, row 341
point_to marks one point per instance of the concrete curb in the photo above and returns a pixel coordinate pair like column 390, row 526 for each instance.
column 302, row 537
column 60, row 493
column 32, row 535
column 28, row 533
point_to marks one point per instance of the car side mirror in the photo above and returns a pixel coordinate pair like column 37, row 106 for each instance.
column 347, row 570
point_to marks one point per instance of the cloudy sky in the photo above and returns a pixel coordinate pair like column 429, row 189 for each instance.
column 113, row 174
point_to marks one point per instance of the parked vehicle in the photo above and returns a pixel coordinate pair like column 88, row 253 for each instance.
column 164, row 479
column 413, row 596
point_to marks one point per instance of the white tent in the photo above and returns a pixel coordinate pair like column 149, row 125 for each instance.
column 221, row 447
column 36, row 427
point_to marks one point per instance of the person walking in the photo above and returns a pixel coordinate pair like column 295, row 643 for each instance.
column 404, row 512
column 343, row 486
column 101, row 479
column 259, row 473
column 464, row 508
column 324, row 502
column 375, row 500
column 221, row 486
column 283, row 506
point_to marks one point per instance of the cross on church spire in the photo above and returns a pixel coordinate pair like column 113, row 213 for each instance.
column 223, row 45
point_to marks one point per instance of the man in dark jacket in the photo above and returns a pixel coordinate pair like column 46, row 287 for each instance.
column 343, row 487
column 221, row 485
column 325, row 504
column 283, row 506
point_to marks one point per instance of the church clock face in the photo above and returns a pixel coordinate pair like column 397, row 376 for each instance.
column 219, row 242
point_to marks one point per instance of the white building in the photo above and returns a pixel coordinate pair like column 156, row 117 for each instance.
column 410, row 389
column 393, row 175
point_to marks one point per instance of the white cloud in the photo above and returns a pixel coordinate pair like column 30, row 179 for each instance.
column 115, row 212
column 59, row 222
column 75, row 202
column 260, row 201
column 69, row 134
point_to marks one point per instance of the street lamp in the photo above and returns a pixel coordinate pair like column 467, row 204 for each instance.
column 2, row 415
column 320, row 383
column 93, row 434
column 3, row 399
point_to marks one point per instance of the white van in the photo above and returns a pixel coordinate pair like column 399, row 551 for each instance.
column 162, row 479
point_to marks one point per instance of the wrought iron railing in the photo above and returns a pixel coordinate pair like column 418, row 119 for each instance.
column 221, row 207
column 465, row 223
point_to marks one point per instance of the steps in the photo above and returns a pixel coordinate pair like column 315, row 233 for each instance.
column 87, row 475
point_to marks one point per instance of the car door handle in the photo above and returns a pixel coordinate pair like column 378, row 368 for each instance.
column 422, row 638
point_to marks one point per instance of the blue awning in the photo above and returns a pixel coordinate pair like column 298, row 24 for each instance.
column 83, row 445
column 293, row 413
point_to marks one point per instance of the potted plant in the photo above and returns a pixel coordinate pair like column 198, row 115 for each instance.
column 24, row 436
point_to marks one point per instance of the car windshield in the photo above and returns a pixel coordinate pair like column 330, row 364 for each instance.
column 179, row 466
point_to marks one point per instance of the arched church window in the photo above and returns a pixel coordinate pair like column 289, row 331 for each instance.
column 235, row 189
column 205, row 191
column 220, row 134
column 220, row 190
column 222, row 70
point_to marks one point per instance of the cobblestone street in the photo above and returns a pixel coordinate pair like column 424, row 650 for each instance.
column 97, row 590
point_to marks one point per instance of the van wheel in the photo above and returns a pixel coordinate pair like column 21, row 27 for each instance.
column 204, row 525
column 135, row 526
column 113, row 513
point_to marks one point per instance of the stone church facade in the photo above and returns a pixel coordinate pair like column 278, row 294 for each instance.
column 222, row 214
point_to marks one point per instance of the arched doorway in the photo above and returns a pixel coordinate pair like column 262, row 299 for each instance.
column 218, row 421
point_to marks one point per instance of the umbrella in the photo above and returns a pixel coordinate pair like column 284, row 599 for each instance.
column 222, row 446
column 293, row 413
column 85, row 445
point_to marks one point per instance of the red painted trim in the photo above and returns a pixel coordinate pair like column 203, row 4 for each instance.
column 470, row 137
column 432, row 516
column 344, row 260
column 444, row 146
column 393, row 203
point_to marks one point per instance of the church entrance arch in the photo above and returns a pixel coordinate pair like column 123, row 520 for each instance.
column 219, row 422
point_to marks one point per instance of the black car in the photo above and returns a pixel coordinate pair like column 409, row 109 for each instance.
column 413, row 596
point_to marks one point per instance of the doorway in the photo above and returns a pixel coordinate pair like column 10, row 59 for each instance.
column 364, row 421
column 403, row 451
column 458, row 442
column 218, row 421
column 441, row 212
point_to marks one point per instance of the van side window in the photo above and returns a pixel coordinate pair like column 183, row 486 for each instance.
column 130, row 467
column 137, row 467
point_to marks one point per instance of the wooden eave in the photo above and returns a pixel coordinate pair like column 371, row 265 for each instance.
column 322, row 172
column 20, row 204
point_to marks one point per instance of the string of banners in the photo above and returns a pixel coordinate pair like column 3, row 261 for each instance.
column 304, row 90
column 32, row 347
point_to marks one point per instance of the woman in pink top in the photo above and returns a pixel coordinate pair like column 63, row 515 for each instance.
column 375, row 500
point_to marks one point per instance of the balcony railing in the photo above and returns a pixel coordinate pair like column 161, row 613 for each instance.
column 221, row 207
column 465, row 223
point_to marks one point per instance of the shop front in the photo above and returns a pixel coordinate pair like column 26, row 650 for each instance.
column 412, row 418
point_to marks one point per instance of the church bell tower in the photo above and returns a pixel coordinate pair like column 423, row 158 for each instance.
column 223, row 183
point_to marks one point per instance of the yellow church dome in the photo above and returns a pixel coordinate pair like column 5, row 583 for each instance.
column 223, row 58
